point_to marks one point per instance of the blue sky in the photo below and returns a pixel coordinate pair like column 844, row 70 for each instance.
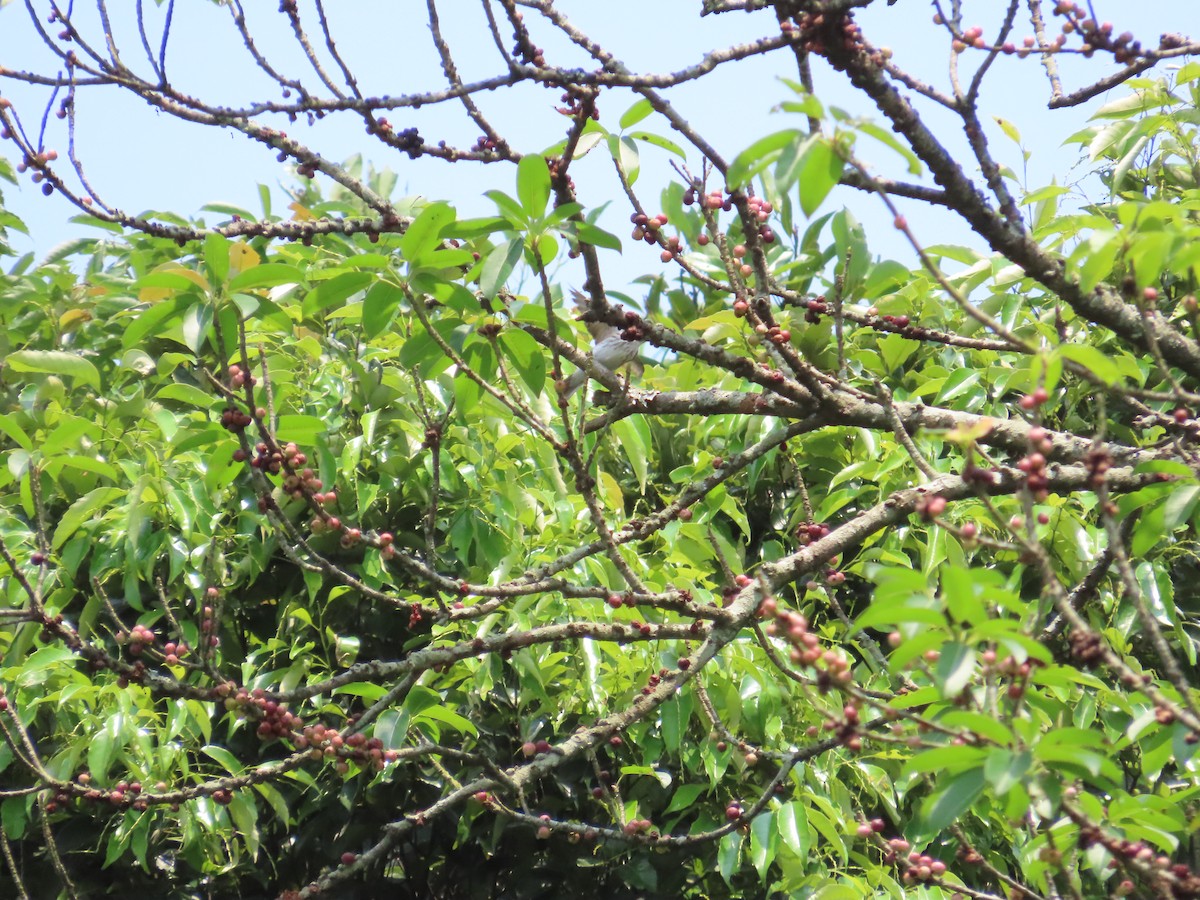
column 141, row 159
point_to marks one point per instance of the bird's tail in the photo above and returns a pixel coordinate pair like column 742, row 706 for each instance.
column 575, row 382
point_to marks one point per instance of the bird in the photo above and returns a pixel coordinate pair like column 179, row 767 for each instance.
column 609, row 349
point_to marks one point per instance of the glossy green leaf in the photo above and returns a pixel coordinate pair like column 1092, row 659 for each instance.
column 56, row 362
column 635, row 113
column 533, row 185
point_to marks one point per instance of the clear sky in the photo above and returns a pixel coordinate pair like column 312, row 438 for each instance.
column 140, row 159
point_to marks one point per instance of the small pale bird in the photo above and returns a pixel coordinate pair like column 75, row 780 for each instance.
column 609, row 349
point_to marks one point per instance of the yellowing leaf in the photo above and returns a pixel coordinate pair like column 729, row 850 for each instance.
column 154, row 294
column 241, row 258
column 610, row 493
column 969, row 434
column 190, row 274
column 300, row 213
column 73, row 318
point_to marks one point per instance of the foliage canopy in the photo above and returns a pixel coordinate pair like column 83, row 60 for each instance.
column 877, row 581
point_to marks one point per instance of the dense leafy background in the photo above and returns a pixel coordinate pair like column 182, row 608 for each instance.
column 880, row 583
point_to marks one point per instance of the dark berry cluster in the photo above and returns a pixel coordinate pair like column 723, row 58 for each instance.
column 1098, row 462
column 234, row 419
column 409, row 140
column 1087, row 648
column 574, row 104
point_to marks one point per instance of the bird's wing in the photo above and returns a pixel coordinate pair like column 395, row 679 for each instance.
column 598, row 330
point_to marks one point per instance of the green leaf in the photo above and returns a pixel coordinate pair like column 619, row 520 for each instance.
column 513, row 214
column 944, row 759
column 633, row 438
column 10, row 427
column 379, row 307
column 951, row 798
column 955, row 668
column 245, row 816
column 216, row 258
column 820, row 170
column 227, row 209
column 139, row 837
column 792, row 824
column 450, row 717
column 729, row 855
column 1004, row 768
column 1092, row 359
column 54, row 362
column 278, row 804
column 763, row 838
column 156, row 320
column 266, row 275
column 886, row 137
column 759, row 155
column 659, row 141
column 597, row 237
column 82, row 510
column 983, row 725
column 837, row 892
column 533, row 185
column 197, row 322
column 330, row 293
column 674, row 716
column 1121, row 170
column 424, row 234
column 227, row 760
column 100, row 753
column 685, row 796
column 186, row 393
column 821, row 816
column 470, row 229
column 527, row 357
column 368, row 690
column 635, row 113
column 40, row 665
column 499, row 264
column 901, row 610
column 625, row 152
column 13, row 817
column 304, row 430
